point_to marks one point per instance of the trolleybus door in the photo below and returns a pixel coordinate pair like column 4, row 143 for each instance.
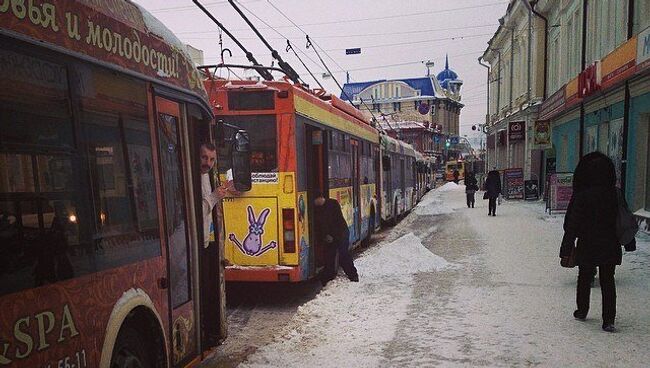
column 315, row 166
column 356, row 202
column 170, row 149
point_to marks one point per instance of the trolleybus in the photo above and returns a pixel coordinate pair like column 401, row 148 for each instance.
column 398, row 179
column 301, row 143
column 102, row 115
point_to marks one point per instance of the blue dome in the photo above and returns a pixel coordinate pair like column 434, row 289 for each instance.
column 447, row 75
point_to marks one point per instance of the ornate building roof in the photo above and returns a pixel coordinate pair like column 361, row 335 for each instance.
column 447, row 75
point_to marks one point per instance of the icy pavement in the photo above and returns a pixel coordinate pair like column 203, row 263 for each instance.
column 452, row 287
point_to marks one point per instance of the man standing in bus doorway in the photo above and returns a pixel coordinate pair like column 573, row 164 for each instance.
column 209, row 255
column 210, row 197
column 332, row 231
column 456, row 175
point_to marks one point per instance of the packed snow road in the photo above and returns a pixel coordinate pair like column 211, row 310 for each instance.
column 452, row 287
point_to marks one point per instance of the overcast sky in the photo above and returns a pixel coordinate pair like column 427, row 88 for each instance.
column 395, row 37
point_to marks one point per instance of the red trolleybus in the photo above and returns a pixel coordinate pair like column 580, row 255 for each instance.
column 102, row 114
column 300, row 144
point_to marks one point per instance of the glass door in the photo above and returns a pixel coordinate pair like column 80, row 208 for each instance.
column 170, row 145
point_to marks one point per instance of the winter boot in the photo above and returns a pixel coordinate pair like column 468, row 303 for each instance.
column 608, row 327
column 580, row 316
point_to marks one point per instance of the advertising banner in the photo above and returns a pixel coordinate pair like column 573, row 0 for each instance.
column 514, row 180
column 561, row 190
column 543, row 134
column 531, row 190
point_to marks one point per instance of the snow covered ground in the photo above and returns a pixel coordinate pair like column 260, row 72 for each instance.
column 453, row 287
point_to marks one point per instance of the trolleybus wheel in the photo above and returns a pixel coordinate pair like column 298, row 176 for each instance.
column 130, row 350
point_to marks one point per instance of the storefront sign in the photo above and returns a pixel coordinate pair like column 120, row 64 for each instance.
column 543, row 133
column 561, row 190
column 553, row 105
column 589, row 80
column 571, row 92
column 531, row 190
column 514, row 180
column 643, row 50
column 619, row 64
column 516, row 131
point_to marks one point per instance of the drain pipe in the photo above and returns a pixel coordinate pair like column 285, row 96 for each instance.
column 532, row 5
column 487, row 112
column 626, row 101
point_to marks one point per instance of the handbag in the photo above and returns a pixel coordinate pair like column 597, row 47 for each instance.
column 485, row 195
column 570, row 261
column 626, row 225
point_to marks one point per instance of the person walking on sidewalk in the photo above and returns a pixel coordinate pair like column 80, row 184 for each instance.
column 492, row 191
column 333, row 233
column 591, row 218
column 471, row 186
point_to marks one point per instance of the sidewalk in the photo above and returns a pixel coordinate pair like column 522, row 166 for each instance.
column 451, row 286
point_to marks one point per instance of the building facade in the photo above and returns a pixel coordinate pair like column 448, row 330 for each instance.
column 515, row 84
column 431, row 102
column 599, row 94
column 596, row 85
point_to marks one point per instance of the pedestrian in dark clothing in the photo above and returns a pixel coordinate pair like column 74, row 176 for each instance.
column 471, row 186
column 456, row 175
column 591, row 218
column 493, row 189
column 333, row 233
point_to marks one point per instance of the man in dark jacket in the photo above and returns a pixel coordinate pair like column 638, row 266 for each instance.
column 332, row 232
column 456, row 175
column 471, row 186
column 493, row 189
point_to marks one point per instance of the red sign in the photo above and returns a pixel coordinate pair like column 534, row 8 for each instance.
column 110, row 31
column 589, row 80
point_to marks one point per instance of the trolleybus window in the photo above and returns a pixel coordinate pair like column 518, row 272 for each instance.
column 51, row 226
column 262, row 132
column 118, row 151
column 261, row 100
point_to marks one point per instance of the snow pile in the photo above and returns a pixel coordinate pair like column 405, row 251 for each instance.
column 450, row 187
column 432, row 204
column 350, row 324
column 405, row 255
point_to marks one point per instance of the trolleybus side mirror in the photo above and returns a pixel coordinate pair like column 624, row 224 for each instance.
column 219, row 133
column 241, row 161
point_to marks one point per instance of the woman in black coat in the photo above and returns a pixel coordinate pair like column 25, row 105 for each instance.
column 591, row 218
column 493, row 189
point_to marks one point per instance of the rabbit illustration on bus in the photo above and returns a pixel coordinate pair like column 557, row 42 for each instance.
column 252, row 243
